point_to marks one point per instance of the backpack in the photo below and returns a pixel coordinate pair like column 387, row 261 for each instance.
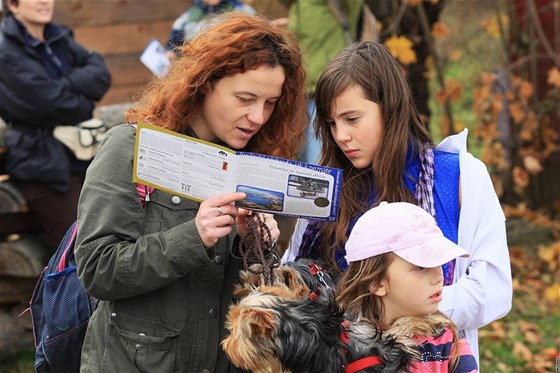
column 61, row 307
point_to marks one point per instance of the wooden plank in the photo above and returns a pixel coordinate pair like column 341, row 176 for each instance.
column 127, row 69
column 122, row 38
column 86, row 13
column 121, row 94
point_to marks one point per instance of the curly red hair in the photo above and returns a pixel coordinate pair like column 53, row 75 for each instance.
column 234, row 43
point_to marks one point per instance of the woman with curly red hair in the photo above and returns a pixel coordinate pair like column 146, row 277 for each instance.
column 164, row 273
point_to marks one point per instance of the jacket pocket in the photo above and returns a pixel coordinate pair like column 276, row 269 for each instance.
column 139, row 345
column 165, row 211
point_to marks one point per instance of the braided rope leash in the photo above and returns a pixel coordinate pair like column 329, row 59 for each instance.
column 258, row 247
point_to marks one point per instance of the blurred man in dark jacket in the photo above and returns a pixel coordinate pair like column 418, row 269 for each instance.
column 47, row 79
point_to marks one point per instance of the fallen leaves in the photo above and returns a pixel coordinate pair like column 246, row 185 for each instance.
column 531, row 331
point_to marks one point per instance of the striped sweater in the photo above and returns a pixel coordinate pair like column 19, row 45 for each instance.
column 435, row 351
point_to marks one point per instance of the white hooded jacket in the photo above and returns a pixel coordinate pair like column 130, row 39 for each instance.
column 482, row 288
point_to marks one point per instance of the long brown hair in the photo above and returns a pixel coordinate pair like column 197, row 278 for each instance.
column 354, row 289
column 370, row 66
column 234, row 43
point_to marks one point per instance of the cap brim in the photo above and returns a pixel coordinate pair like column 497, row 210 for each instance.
column 432, row 253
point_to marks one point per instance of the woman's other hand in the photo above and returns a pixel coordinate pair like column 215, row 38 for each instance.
column 216, row 216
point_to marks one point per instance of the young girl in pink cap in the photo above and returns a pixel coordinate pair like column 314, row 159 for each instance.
column 395, row 280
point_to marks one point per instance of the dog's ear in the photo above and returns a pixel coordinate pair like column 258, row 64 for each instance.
column 261, row 322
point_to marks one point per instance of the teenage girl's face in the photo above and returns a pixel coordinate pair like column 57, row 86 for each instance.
column 409, row 290
column 238, row 106
column 33, row 13
column 357, row 126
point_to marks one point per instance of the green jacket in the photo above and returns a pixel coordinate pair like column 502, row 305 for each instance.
column 319, row 32
column 163, row 297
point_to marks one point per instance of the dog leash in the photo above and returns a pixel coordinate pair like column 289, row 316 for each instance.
column 319, row 272
column 259, row 247
column 360, row 364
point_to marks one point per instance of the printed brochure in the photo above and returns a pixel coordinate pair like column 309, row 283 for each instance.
column 198, row 170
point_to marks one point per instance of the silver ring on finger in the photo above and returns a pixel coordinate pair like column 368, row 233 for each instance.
column 220, row 213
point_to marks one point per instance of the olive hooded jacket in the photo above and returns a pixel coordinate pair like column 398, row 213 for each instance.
column 163, row 296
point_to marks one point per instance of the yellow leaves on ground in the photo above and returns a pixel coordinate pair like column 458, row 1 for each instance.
column 536, row 292
column 552, row 293
column 401, row 48
column 551, row 255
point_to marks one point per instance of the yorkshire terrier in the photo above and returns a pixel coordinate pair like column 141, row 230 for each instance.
column 295, row 325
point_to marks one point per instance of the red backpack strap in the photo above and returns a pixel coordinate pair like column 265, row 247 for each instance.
column 69, row 245
column 144, row 192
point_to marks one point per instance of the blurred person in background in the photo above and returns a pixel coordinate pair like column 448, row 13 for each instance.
column 47, row 79
column 191, row 22
column 323, row 28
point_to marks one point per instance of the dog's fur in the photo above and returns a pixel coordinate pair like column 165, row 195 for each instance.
column 277, row 328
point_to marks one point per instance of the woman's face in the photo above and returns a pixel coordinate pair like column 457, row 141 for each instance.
column 357, row 126
column 33, row 13
column 239, row 105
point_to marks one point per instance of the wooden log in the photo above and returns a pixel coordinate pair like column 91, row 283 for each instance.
column 16, row 289
column 11, row 200
column 24, row 256
column 13, row 337
column 14, row 216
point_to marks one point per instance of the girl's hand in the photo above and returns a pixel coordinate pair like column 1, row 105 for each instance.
column 215, row 217
column 268, row 219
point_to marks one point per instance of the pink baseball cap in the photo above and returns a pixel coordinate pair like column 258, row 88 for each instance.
column 404, row 229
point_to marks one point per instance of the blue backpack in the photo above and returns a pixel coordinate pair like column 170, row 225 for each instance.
column 60, row 310
column 61, row 307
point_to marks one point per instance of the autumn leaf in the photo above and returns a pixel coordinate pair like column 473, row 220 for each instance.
column 552, row 293
column 520, row 177
column 525, row 90
column 454, row 90
column 439, row 30
column 455, row 55
column 401, row 48
column 516, row 111
column 550, row 255
column 554, row 77
column 522, row 351
column 492, row 26
column 532, row 164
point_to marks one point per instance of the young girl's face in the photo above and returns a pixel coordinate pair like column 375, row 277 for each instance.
column 409, row 290
column 238, row 106
column 357, row 126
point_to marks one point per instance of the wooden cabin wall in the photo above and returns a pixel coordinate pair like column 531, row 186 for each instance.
column 120, row 30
